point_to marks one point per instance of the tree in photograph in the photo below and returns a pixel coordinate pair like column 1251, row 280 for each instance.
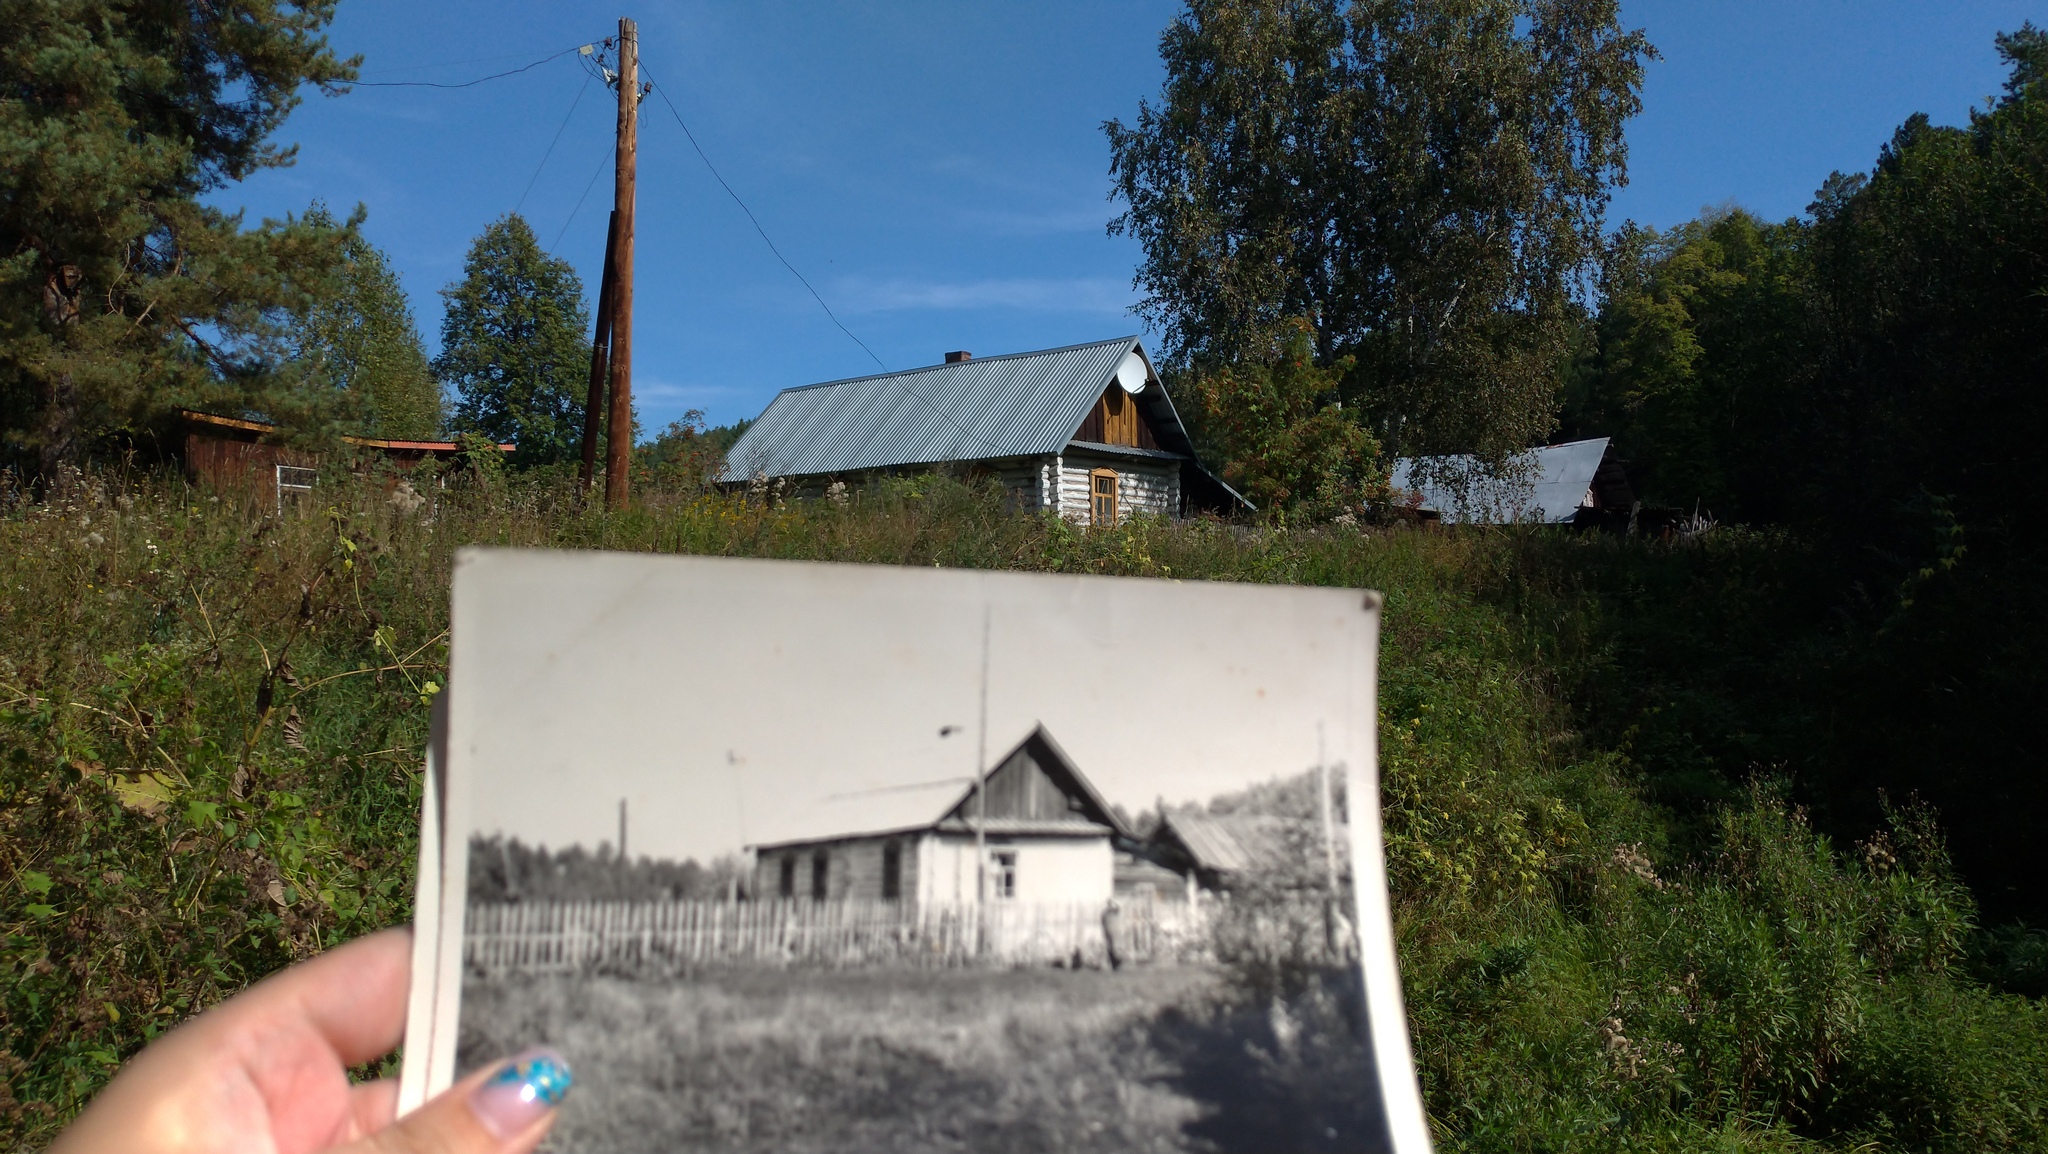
column 121, row 293
column 363, row 343
column 1426, row 183
column 515, row 345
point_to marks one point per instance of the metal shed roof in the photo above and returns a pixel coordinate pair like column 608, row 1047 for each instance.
column 1018, row 405
column 1546, row 485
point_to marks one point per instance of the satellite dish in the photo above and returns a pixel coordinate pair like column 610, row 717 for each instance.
column 1131, row 375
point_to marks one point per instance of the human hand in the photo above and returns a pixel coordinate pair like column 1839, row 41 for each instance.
column 266, row 1072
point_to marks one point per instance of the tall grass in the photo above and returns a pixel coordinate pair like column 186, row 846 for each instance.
column 795, row 1061
column 211, row 719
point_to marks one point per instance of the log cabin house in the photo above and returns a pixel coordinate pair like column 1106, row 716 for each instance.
column 1048, row 836
column 1086, row 431
column 235, row 453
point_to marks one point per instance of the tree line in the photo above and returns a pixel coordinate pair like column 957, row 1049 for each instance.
column 1368, row 229
column 125, row 297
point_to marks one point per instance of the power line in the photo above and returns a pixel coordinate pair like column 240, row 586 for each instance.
column 586, row 195
column 442, row 64
column 551, row 145
column 466, row 83
column 905, row 382
column 757, row 224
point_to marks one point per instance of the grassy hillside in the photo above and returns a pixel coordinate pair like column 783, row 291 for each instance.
column 210, row 730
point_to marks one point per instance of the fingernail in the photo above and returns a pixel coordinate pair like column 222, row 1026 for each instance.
column 522, row 1093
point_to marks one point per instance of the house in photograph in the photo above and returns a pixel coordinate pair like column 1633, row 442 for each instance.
column 1086, row 431
column 1048, row 837
column 1578, row 482
column 1143, row 880
column 1220, row 852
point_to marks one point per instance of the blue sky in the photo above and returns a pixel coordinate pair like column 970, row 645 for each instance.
column 937, row 169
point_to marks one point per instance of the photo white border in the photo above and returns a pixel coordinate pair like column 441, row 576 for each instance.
column 433, row 1027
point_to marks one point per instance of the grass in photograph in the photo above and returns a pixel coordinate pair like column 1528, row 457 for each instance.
column 805, row 1060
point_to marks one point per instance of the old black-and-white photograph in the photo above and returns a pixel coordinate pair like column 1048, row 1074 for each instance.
column 793, row 857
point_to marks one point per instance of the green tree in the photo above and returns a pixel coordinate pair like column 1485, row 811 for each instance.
column 1866, row 379
column 363, row 343
column 120, row 293
column 1283, row 445
column 1702, row 347
column 515, row 345
column 1425, row 182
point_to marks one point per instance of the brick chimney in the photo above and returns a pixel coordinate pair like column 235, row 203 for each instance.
column 955, row 358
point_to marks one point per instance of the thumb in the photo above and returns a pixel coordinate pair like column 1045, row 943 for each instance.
column 506, row 1109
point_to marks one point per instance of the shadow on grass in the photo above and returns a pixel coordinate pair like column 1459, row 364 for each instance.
column 1291, row 1074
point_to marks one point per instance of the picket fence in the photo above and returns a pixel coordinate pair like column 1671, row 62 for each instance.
column 542, row 937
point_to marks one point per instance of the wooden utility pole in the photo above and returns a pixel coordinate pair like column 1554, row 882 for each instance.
column 600, row 362
column 981, row 942
column 1334, row 922
column 619, row 442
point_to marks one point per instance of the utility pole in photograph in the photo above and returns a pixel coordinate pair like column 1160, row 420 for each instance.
column 1335, row 924
column 981, row 800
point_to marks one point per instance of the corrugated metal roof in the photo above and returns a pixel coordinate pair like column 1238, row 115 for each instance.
column 1545, row 485
column 1019, row 405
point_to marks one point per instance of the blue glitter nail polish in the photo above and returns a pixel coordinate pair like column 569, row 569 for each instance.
column 522, row 1092
column 547, row 1079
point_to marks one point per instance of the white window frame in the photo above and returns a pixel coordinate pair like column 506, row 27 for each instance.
column 296, row 480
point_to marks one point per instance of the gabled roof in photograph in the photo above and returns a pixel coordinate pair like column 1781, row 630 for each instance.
column 979, row 409
column 1231, row 843
column 1546, row 485
column 949, row 806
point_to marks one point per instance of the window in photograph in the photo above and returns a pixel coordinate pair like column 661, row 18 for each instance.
column 788, row 887
column 1006, row 874
column 1102, row 484
column 821, row 866
column 892, row 871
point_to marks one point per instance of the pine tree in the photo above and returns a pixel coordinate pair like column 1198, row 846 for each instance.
column 515, row 345
column 121, row 293
column 364, row 344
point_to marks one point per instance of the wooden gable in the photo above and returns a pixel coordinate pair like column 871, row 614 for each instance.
column 1117, row 420
column 1037, row 783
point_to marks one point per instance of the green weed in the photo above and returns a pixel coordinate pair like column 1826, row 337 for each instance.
column 211, row 720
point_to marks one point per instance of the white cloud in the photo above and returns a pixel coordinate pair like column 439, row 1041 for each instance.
column 1086, row 218
column 672, row 395
column 1026, row 294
